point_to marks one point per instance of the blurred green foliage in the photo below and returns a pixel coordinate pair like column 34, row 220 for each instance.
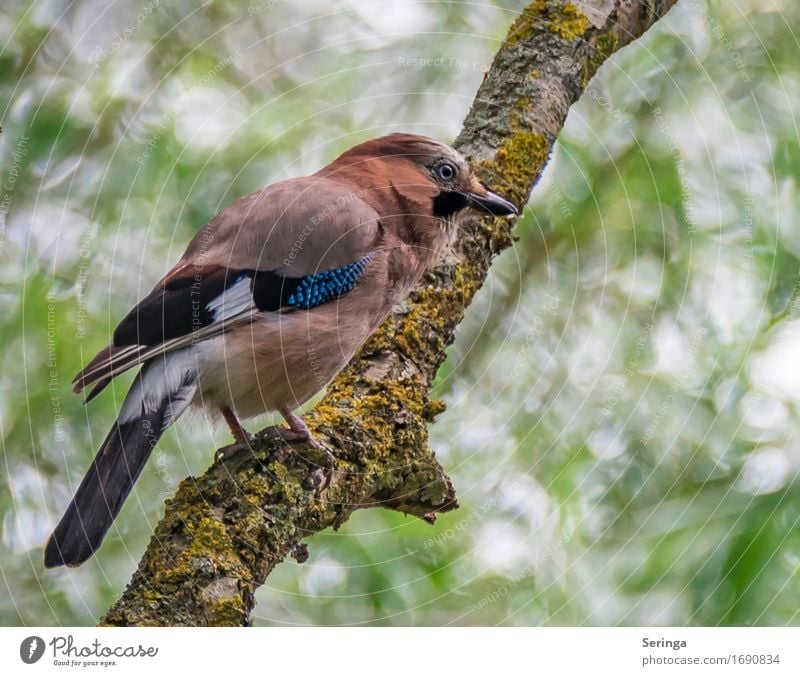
column 622, row 398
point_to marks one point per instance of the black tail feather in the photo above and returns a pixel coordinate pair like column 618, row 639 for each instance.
column 160, row 393
column 100, row 495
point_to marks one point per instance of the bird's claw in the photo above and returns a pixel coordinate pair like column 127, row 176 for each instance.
column 326, row 463
column 227, row 452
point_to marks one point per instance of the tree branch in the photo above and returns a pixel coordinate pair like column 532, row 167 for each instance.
column 224, row 532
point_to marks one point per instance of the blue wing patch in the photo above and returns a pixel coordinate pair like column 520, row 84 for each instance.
column 191, row 302
column 313, row 290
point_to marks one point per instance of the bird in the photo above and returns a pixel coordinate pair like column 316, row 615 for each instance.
column 271, row 299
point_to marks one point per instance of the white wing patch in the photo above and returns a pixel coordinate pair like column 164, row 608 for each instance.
column 237, row 298
column 171, row 378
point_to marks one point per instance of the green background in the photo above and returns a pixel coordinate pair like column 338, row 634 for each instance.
column 622, row 398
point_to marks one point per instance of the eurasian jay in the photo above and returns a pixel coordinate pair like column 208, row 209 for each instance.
column 270, row 301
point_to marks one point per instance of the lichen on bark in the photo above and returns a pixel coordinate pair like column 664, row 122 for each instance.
column 225, row 531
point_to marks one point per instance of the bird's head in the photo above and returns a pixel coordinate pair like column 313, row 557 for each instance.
column 415, row 175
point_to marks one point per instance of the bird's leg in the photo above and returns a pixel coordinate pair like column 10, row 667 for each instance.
column 297, row 430
column 240, row 434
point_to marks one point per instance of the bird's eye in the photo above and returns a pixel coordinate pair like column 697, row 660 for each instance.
column 446, row 172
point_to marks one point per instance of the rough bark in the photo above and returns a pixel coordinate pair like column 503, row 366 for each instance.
column 225, row 531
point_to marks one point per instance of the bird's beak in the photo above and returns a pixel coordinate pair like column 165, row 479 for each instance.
column 489, row 202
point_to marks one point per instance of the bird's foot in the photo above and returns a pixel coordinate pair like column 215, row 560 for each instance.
column 288, row 434
column 297, row 430
column 325, row 461
column 226, row 452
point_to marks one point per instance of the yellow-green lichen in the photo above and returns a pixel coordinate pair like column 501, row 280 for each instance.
column 209, row 539
column 604, row 46
column 432, row 409
column 570, row 23
column 516, row 165
column 525, row 25
column 229, row 612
